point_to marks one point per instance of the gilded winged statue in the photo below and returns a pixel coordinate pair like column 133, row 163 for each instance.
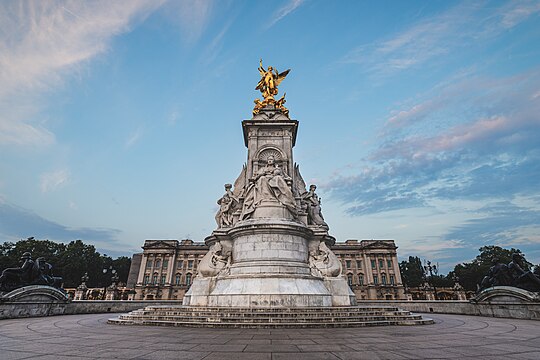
column 267, row 85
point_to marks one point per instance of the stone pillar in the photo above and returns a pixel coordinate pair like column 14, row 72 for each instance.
column 269, row 257
column 142, row 269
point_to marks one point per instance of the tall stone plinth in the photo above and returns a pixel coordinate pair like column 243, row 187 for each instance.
column 271, row 248
column 270, row 269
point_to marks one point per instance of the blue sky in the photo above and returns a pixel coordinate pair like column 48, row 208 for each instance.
column 419, row 120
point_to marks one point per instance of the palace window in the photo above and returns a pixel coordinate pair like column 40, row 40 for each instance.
column 381, row 263
column 348, row 264
column 373, row 264
column 190, row 264
column 180, row 264
column 361, row 279
column 359, row 264
column 154, row 279
column 177, row 279
column 349, row 279
column 163, row 279
column 375, row 279
column 165, row 263
column 158, row 263
column 188, row 279
column 389, row 264
column 146, row 279
column 392, row 280
column 148, row 263
column 383, row 279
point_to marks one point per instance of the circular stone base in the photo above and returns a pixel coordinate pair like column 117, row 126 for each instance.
column 269, row 292
column 313, row 317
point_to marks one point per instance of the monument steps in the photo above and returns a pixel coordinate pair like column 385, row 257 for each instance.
column 356, row 316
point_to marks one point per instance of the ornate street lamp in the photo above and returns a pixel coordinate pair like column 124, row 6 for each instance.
column 114, row 279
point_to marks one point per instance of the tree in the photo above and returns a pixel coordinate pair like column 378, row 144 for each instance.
column 411, row 271
column 440, row 281
column 77, row 259
column 122, row 265
column 471, row 274
column 69, row 261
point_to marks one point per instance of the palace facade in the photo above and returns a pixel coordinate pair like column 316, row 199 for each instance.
column 166, row 268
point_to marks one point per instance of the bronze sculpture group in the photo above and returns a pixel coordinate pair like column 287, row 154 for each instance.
column 38, row 272
column 513, row 274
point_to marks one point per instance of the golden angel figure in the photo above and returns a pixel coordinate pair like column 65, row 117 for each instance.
column 270, row 79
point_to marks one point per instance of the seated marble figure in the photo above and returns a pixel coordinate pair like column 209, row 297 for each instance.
column 269, row 183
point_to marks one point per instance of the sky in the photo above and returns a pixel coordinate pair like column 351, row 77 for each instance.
column 419, row 120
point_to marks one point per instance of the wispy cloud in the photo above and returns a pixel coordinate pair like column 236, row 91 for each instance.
column 17, row 223
column 192, row 16
column 43, row 41
column 284, row 11
column 214, row 47
column 173, row 117
column 502, row 223
column 53, row 180
column 433, row 248
column 134, row 137
column 461, row 26
column 491, row 152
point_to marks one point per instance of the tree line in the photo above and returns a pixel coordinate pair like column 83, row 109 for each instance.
column 70, row 261
column 469, row 273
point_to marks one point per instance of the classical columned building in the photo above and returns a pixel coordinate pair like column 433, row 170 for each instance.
column 166, row 268
column 372, row 269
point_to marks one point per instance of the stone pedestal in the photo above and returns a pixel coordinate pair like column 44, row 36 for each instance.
column 273, row 254
column 506, row 294
column 81, row 293
column 269, row 268
column 31, row 301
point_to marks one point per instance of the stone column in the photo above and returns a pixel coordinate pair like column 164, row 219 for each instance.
column 142, row 269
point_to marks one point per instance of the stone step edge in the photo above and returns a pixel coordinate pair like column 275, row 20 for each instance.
column 272, row 309
column 205, row 313
column 425, row 321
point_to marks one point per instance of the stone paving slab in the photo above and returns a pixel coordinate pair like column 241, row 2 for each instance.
column 90, row 337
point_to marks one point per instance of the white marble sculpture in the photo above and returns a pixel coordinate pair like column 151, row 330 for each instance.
column 228, row 203
column 214, row 262
column 270, row 183
column 313, row 203
column 271, row 247
column 324, row 262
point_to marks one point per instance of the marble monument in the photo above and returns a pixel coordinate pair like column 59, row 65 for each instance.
column 271, row 247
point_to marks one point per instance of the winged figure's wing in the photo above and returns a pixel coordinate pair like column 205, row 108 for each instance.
column 240, row 183
column 281, row 76
column 299, row 184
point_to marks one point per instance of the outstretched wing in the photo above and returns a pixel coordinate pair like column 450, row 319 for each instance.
column 240, row 183
column 281, row 76
column 299, row 184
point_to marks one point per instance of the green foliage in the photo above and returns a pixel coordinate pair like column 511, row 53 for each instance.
column 441, row 281
column 411, row 271
column 70, row 261
column 471, row 274
column 122, row 265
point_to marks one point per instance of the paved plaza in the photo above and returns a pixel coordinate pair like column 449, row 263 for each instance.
column 88, row 336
